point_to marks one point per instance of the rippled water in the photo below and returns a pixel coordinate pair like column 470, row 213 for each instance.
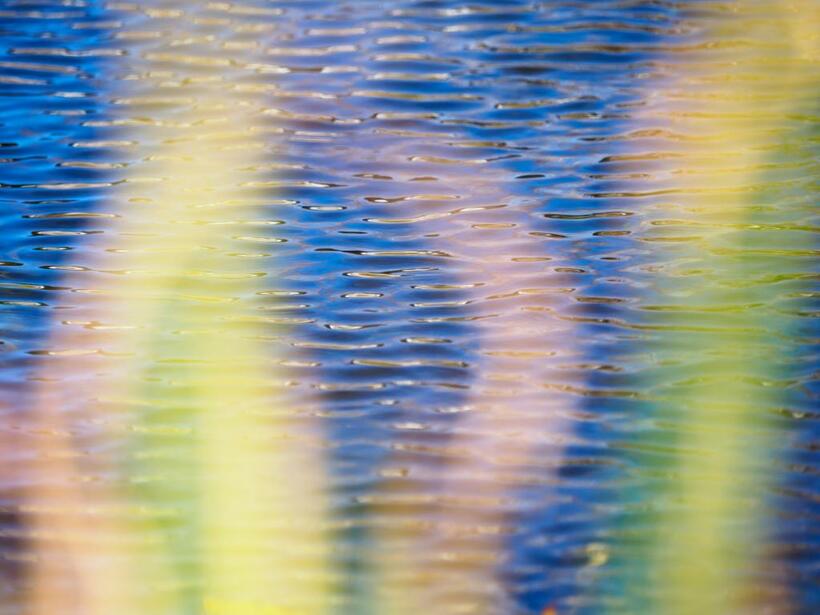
column 481, row 263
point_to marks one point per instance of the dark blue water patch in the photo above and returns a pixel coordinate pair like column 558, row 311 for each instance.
column 52, row 69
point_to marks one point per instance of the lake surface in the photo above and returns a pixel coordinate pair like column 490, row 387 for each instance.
column 527, row 290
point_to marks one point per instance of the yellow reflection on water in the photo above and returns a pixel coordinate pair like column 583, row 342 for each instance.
column 172, row 475
column 738, row 101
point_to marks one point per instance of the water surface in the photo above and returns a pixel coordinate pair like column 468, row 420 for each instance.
column 493, row 257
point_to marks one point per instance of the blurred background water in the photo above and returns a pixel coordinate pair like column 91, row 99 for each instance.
column 464, row 208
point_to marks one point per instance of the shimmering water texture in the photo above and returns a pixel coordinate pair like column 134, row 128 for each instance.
column 501, row 307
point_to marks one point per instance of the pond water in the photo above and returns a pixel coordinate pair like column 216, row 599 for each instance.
column 442, row 306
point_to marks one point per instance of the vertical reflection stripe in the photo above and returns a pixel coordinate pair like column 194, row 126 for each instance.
column 203, row 492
